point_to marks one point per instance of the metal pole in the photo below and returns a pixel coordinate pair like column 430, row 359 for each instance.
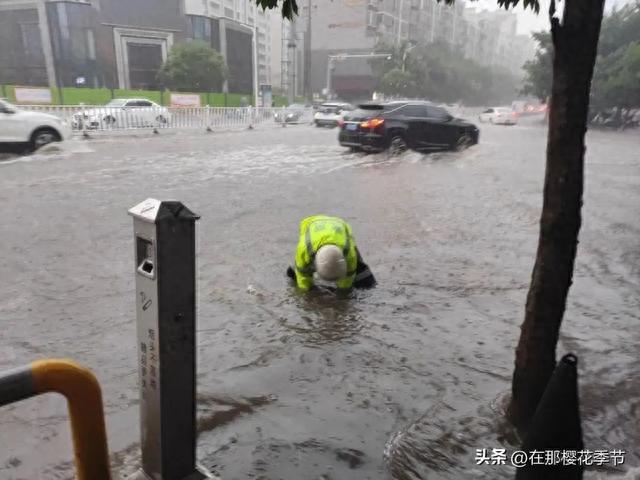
column 329, row 69
column 45, row 35
column 405, row 55
column 255, row 63
column 291, row 49
column 165, row 254
column 307, row 56
column 284, row 74
column 400, row 21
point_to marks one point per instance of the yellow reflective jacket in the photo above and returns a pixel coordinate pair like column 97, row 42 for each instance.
column 318, row 231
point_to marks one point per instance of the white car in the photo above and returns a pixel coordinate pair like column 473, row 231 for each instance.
column 30, row 129
column 330, row 114
column 123, row 113
column 499, row 116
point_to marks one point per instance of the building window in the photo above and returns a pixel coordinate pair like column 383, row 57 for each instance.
column 21, row 56
column 145, row 61
column 31, row 40
column 200, row 28
column 139, row 56
column 205, row 29
column 373, row 18
column 240, row 69
column 91, row 45
column 71, row 27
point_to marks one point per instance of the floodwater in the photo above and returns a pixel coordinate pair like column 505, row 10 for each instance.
column 404, row 381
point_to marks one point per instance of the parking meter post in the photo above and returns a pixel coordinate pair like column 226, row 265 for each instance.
column 164, row 253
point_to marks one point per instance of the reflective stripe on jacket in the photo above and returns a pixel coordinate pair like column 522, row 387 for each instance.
column 318, row 231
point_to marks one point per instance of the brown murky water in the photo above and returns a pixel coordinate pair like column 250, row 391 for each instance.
column 402, row 382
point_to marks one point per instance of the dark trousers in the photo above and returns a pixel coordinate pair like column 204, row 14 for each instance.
column 364, row 277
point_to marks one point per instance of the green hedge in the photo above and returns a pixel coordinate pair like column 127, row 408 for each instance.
column 100, row 96
column 280, row 101
column 76, row 96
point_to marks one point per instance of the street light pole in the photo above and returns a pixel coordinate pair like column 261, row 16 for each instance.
column 400, row 22
column 307, row 56
column 291, row 49
column 329, row 69
column 255, row 63
column 405, row 54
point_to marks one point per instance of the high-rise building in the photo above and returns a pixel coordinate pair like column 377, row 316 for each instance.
column 240, row 16
column 491, row 38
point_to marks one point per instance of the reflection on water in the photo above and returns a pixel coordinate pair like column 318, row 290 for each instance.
column 445, row 441
column 324, row 316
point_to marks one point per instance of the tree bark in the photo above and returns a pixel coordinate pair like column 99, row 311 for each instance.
column 575, row 41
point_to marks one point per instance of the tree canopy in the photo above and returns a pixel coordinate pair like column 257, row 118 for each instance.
column 616, row 78
column 193, row 66
column 539, row 70
column 441, row 73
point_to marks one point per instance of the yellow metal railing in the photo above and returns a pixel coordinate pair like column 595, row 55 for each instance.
column 84, row 399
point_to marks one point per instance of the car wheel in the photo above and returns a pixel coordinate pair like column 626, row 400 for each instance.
column 463, row 143
column 397, row 145
column 42, row 137
column 161, row 119
column 109, row 120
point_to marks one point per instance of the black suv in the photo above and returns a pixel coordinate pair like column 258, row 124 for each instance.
column 399, row 126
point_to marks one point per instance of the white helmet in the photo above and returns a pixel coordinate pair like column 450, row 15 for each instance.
column 330, row 263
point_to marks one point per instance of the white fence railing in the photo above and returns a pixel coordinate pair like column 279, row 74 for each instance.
column 100, row 118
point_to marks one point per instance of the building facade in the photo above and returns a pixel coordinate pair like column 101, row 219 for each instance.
column 490, row 38
column 122, row 44
column 357, row 26
column 233, row 21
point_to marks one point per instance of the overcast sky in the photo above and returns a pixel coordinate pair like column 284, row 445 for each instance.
column 529, row 21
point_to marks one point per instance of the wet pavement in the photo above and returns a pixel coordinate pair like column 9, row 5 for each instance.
column 404, row 381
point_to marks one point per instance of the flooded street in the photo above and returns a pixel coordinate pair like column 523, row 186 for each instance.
column 403, row 381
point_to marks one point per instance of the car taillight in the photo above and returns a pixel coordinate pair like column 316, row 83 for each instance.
column 514, row 114
column 340, row 122
column 372, row 123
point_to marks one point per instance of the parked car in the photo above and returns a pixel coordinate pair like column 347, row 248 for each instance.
column 20, row 129
column 329, row 114
column 291, row 114
column 499, row 116
column 399, row 126
column 122, row 113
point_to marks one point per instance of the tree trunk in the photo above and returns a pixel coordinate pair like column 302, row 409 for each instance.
column 575, row 41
